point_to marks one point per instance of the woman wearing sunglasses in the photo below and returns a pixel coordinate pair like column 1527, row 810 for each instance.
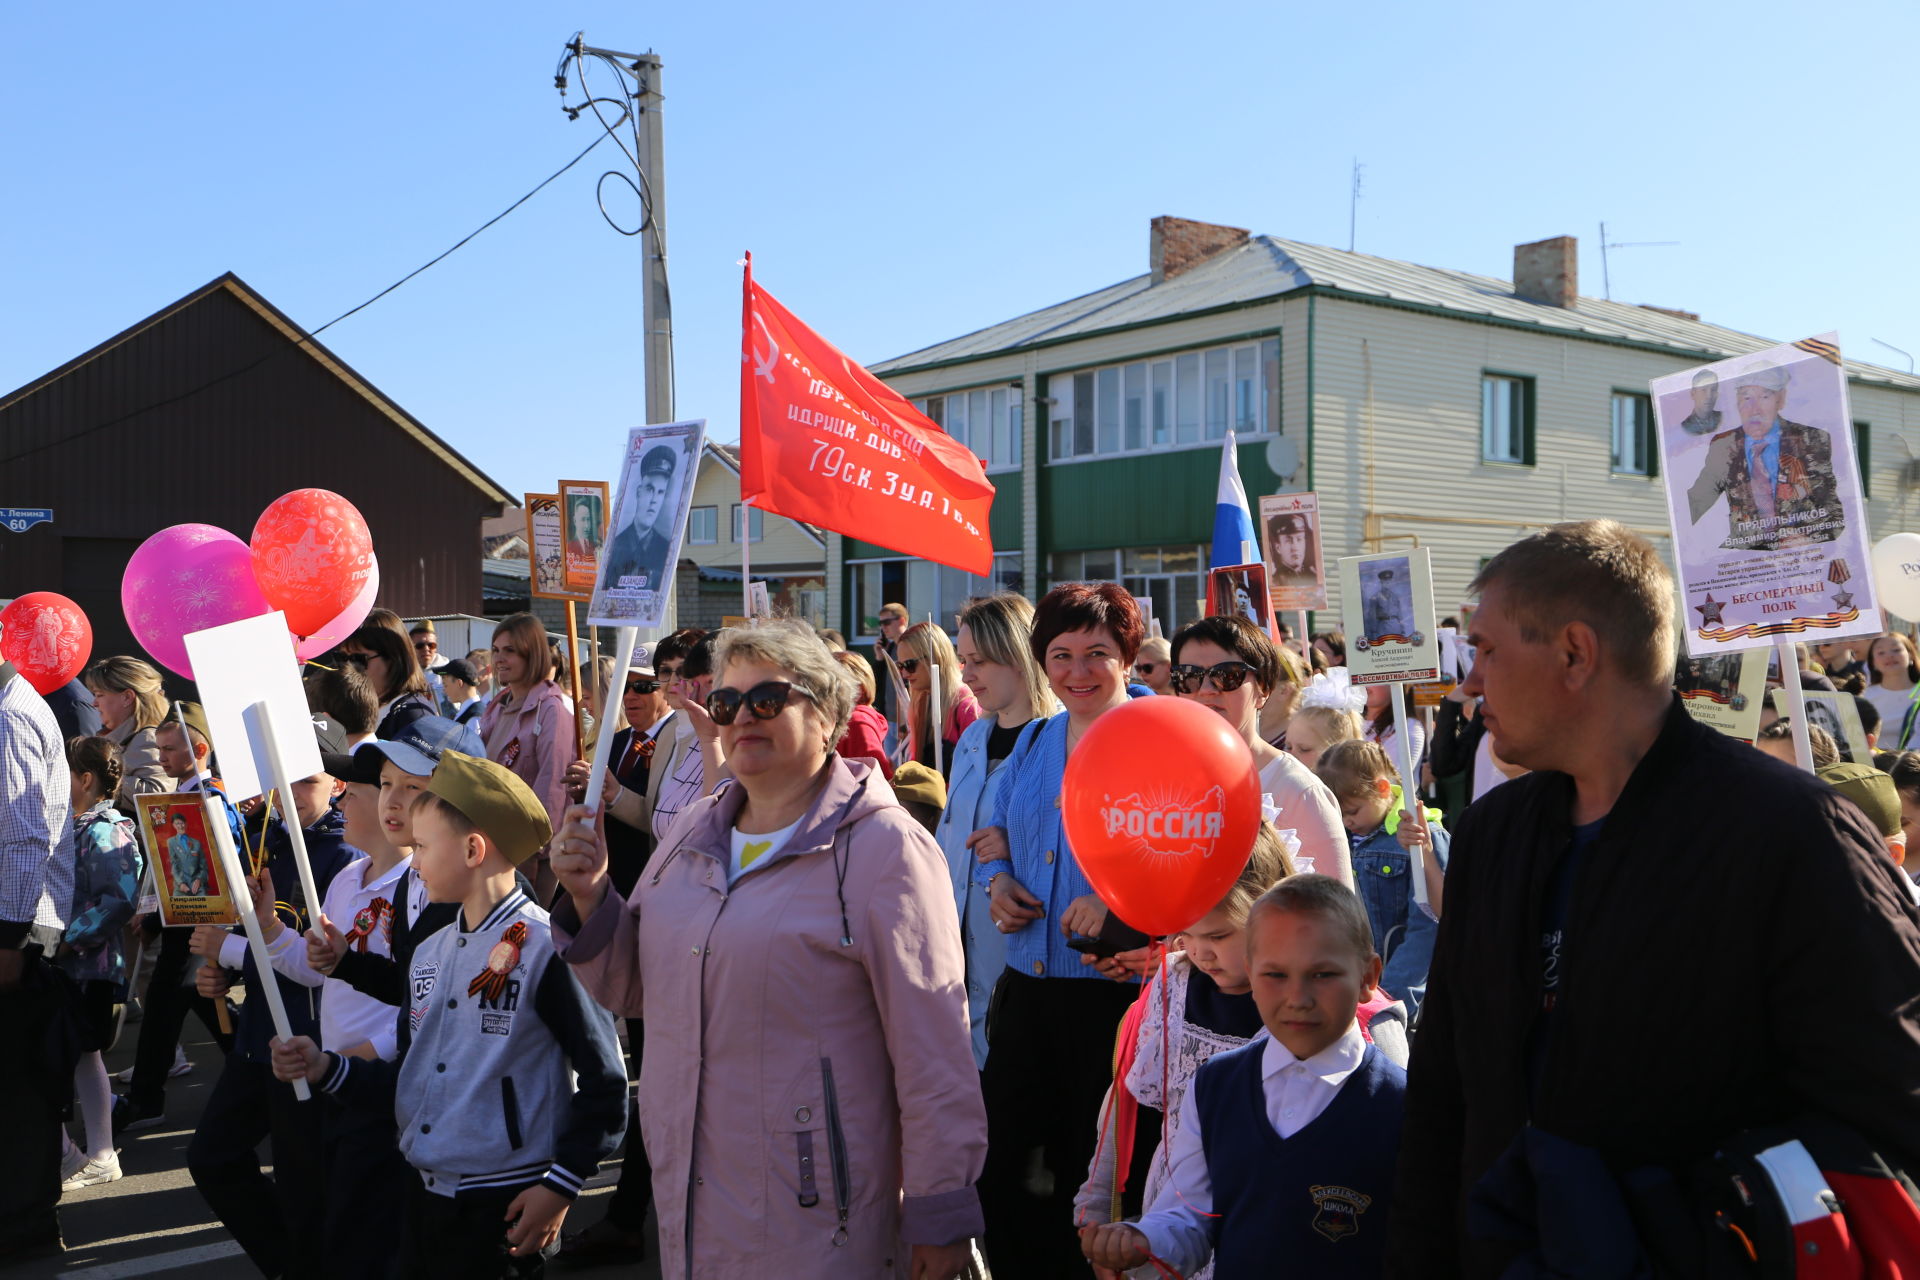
column 387, row 656
column 1054, row 1014
column 923, row 650
column 810, row 1102
column 1230, row 666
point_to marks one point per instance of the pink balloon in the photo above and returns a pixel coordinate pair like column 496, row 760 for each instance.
column 347, row 623
column 184, row 579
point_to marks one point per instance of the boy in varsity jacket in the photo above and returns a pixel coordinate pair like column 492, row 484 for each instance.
column 1285, row 1154
column 500, row 1137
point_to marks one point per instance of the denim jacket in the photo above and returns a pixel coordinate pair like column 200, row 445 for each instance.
column 1403, row 934
column 970, row 794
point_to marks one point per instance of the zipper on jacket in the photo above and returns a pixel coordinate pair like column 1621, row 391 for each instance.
column 510, row 1105
column 837, row 1151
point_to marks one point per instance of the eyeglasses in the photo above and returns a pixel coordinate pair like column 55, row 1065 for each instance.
column 765, row 701
column 425, row 644
column 642, row 686
column 911, row 665
column 887, row 619
column 1226, row 677
column 1145, row 668
column 355, row 659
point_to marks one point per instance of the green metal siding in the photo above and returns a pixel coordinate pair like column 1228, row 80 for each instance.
column 1151, row 500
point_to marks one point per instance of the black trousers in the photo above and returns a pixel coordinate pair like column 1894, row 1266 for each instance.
column 1049, row 1062
column 170, row 996
column 633, row 1194
column 464, row 1237
column 367, row 1185
column 31, row 1103
column 276, row 1219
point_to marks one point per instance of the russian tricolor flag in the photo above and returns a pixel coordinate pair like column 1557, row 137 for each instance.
column 1234, row 541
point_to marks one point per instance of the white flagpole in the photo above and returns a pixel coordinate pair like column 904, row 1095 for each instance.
column 259, row 721
column 256, row 941
column 1796, row 703
column 603, row 743
column 746, row 575
column 1409, row 785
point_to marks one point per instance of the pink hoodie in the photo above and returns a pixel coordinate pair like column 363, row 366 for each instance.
column 809, row 1020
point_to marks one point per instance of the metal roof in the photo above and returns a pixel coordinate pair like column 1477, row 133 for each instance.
column 1266, row 267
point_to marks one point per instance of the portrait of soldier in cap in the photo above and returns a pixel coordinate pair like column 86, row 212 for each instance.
column 1777, row 475
column 637, row 559
column 1389, row 605
column 1290, row 543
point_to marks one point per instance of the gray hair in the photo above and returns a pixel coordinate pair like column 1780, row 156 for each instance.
column 794, row 647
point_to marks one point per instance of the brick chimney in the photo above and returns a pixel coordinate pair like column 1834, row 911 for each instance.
column 1548, row 271
column 1181, row 244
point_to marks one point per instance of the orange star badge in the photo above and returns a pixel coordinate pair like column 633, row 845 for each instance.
column 1710, row 611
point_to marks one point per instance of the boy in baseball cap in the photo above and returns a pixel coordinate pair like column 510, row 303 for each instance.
column 499, row 1134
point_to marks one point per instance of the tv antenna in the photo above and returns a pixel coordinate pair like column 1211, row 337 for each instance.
column 1897, row 351
column 1606, row 276
column 1353, row 201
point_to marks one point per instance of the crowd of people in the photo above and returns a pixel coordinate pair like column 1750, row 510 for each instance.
column 820, row 956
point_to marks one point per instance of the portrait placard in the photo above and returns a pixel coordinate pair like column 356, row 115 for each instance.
column 759, row 603
column 1296, row 574
column 583, row 522
column 649, row 521
column 187, row 877
column 1239, row 590
column 1836, row 713
column 546, row 550
column 236, row 665
column 1770, row 532
column 1386, row 606
column 1725, row 691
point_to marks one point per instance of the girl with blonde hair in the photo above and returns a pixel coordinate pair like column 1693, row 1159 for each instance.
column 923, row 649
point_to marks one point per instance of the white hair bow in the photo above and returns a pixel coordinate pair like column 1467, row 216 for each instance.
column 1334, row 689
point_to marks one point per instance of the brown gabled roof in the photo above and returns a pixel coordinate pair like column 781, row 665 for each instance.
column 314, row 349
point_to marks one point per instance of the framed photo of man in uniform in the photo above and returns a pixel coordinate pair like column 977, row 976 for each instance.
column 649, row 521
column 1296, row 575
column 1386, row 608
column 186, row 869
column 583, row 508
column 1725, row 691
column 1239, row 590
column 1770, row 530
column 1836, row 713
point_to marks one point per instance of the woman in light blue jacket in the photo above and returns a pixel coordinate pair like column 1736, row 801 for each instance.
column 996, row 664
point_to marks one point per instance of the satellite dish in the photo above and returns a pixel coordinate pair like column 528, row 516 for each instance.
column 1283, row 458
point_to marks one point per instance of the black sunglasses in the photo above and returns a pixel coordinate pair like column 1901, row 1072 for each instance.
column 1144, row 668
column 911, row 665
column 765, row 701
column 355, row 659
column 642, row 686
column 1226, row 677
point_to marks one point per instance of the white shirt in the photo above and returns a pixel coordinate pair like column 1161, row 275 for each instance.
column 1176, row 1226
column 347, row 1016
column 1307, row 808
column 754, row 851
column 1892, row 705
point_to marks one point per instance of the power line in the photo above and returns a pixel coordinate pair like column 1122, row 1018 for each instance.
column 305, row 335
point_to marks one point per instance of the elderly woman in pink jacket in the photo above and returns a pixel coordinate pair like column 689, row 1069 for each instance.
column 807, row 1096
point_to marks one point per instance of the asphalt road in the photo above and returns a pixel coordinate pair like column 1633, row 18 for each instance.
column 152, row 1222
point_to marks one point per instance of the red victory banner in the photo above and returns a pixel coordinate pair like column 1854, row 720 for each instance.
column 823, row 440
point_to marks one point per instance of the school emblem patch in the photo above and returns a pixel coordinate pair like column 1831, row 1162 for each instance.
column 424, row 974
column 1337, row 1211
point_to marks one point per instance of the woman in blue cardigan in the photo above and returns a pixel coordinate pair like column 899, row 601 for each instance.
column 1053, row 1015
column 997, row 665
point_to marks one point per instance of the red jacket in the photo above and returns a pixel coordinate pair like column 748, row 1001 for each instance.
column 866, row 739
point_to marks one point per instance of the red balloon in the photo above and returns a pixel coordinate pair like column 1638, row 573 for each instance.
column 1161, row 804
column 47, row 637
column 312, row 556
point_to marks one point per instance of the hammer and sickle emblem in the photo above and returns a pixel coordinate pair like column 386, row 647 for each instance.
column 763, row 368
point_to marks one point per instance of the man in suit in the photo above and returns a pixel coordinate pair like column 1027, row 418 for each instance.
column 1777, row 475
column 1705, row 419
column 638, row 558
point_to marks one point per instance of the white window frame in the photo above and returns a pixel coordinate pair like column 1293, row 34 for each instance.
column 713, row 533
column 948, row 586
column 1162, row 380
column 1632, row 453
column 989, row 419
column 1514, row 389
column 759, row 521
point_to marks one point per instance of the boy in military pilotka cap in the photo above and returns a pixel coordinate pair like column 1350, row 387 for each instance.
column 1284, row 1158
column 501, row 1138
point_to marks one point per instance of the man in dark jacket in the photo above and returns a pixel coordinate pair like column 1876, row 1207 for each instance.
column 1659, row 938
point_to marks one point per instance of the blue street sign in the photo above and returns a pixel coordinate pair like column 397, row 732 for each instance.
column 21, row 519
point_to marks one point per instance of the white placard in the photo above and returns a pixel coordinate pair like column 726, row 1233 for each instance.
column 235, row 666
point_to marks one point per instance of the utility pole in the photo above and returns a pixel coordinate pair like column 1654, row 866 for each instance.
column 1353, row 203
column 657, row 305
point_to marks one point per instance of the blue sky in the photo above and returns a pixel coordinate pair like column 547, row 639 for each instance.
column 905, row 173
